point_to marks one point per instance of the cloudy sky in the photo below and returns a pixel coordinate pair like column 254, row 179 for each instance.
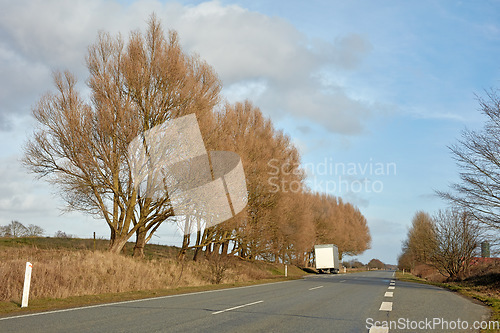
column 371, row 92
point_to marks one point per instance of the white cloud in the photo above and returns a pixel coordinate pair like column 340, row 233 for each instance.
column 262, row 58
column 250, row 89
column 251, row 51
column 21, row 196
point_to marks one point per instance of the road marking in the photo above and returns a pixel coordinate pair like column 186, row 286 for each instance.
column 342, row 281
column 236, row 307
column 392, row 287
column 393, row 281
column 316, row 288
column 392, row 284
column 138, row 300
column 388, row 294
column 386, row 306
column 378, row 329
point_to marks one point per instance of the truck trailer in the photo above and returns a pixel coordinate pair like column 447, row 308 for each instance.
column 327, row 258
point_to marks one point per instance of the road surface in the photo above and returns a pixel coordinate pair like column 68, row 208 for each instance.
column 328, row 303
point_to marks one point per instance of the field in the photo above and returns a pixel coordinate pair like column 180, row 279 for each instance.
column 68, row 271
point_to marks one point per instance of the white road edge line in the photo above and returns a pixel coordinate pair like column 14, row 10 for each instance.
column 138, row 300
column 388, row 294
column 316, row 288
column 236, row 307
column 386, row 306
column 378, row 329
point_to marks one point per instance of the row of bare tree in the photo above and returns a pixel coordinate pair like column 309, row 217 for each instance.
column 81, row 146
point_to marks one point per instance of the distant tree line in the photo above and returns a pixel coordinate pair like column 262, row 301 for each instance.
column 81, row 146
column 17, row 229
column 372, row 264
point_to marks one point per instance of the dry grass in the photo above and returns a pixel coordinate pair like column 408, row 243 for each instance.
column 61, row 273
column 429, row 273
column 484, row 278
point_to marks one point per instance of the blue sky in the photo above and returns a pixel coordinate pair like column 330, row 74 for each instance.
column 358, row 82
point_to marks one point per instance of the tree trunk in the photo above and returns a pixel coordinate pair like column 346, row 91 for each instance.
column 112, row 238
column 225, row 247
column 208, row 249
column 117, row 244
column 140, row 242
column 216, row 248
column 185, row 244
column 197, row 248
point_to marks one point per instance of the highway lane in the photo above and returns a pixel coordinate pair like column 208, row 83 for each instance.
column 332, row 303
column 420, row 304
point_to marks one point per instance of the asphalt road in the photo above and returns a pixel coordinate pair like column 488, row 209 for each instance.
column 328, row 303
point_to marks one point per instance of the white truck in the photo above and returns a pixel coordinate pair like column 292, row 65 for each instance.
column 327, row 258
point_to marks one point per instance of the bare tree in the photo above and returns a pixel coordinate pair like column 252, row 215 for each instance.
column 405, row 260
column 340, row 223
column 4, row 231
column 14, row 229
column 457, row 237
column 62, row 234
column 81, row 145
column 34, row 231
column 478, row 156
column 244, row 130
column 376, row 263
column 422, row 241
column 356, row 263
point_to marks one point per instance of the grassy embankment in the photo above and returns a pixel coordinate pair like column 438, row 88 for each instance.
column 482, row 287
column 68, row 272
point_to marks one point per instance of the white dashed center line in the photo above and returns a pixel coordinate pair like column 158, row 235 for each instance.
column 316, row 287
column 386, row 306
column 236, row 307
